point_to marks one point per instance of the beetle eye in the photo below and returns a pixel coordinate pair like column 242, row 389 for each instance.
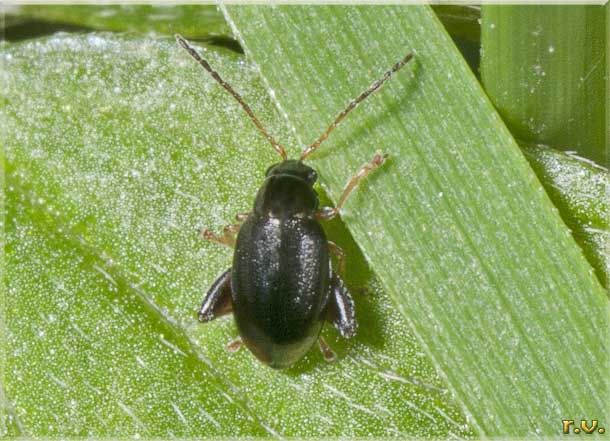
column 312, row 176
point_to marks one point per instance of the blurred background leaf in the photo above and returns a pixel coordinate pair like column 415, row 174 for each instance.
column 196, row 22
column 462, row 22
column 545, row 69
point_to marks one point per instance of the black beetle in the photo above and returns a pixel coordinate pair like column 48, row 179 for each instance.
column 281, row 287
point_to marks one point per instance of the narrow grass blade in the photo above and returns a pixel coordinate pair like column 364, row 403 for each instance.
column 456, row 226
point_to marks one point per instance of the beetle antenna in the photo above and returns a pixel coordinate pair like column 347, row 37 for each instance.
column 352, row 105
column 276, row 145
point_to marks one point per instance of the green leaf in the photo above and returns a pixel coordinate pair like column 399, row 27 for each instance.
column 579, row 189
column 118, row 149
column 89, row 354
column 193, row 21
column 457, row 227
column 545, row 69
column 462, row 22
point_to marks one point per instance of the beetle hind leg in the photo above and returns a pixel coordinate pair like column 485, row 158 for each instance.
column 218, row 301
column 234, row 345
column 336, row 250
column 340, row 310
column 327, row 352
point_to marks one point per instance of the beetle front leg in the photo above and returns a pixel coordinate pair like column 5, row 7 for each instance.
column 218, row 301
column 227, row 238
column 340, row 310
column 228, row 233
column 327, row 213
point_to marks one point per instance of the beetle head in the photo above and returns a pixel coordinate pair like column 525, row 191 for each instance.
column 294, row 168
column 287, row 190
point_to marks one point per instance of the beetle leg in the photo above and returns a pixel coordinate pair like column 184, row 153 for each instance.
column 327, row 352
column 228, row 233
column 327, row 213
column 335, row 249
column 227, row 238
column 233, row 346
column 217, row 301
column 241, row 217
column 340, row 309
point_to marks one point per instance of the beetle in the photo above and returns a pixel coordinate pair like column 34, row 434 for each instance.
column 281, row 287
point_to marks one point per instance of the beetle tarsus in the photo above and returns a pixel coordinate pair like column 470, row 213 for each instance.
column 234, row 345
column 327, row 213
column 227, row 238
column 329, row 355
column 241, row 217
column 362, row 173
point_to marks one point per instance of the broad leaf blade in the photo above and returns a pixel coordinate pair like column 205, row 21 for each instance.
column 457, row 227
column 88, row 355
